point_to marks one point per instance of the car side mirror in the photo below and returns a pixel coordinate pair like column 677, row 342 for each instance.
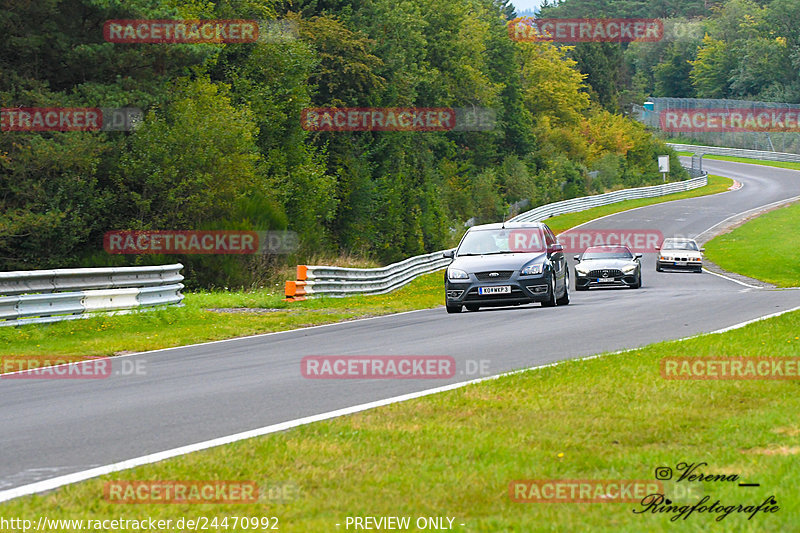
column 702, row 249
column 553, row 248
column 637, row 256
column 449, row 254
column 577, row 258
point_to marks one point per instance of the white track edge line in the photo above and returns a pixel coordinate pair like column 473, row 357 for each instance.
column 778, row 202
column 56, row 482
column 735, row 280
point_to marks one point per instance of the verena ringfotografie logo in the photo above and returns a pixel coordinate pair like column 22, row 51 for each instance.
column 585, row 30
column 378, row 367
column 397, row 119
column 729, row 368
column 582, row 490
column 729, row 120
column 180, row 492
column 639, row 241
column 180, row 31
column 69, row 118
column 200, row 242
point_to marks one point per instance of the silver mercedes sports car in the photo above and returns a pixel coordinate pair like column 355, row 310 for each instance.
column 608, row 266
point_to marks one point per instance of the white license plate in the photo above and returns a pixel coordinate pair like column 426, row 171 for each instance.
column 503, row 289
column 605, row 280
column 680, row 263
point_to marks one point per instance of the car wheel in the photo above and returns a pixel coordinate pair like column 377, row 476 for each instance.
column 638, row 282
column 551, row 300
column 473, row 307
column 453, row 308
column 699, row 270
column 658, row 268
column 564, row 300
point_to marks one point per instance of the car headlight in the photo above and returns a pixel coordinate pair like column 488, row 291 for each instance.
column 454, row 273
column 532, row 270
column 629, row 269
column 582, row 269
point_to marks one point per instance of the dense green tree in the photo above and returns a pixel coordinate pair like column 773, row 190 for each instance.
column 222, row 145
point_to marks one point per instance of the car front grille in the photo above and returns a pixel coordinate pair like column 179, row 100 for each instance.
column 605, row 273
column 501, row 275
column 516, row 293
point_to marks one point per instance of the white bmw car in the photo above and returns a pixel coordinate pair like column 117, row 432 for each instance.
column 680, row 254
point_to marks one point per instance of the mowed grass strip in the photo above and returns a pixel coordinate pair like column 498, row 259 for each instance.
column 454, row 454
column 193, row 323
column 262, row 312
column 765, row 248
column 791, row 165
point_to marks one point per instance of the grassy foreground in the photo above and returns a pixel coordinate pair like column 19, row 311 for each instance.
column 764, row 248
column 193, row 323
column 454, row 454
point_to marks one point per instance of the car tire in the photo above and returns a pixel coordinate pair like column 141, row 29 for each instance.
column 453, row 308
column 473, row 307
column 564, row 300
column 658, row 268
column 699, row 270
column 638, row 283
column 551, row 300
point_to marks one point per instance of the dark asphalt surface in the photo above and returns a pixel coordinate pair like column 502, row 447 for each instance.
column 192, row 394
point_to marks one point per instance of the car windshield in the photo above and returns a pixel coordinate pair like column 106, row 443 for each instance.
column 679, row 245
column 502, row 241
column 616, row 252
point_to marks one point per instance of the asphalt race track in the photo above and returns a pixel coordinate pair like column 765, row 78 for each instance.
column 187, row 395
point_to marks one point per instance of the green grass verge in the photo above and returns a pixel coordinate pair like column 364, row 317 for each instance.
column 779, row 164
column 193, row 323
column 764, row 248
column 111, row 335
column 454, row 454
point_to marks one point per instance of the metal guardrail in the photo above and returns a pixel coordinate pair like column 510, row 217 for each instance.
column 700, row 151
column 339, row 281
column 43, row 296
column 587, row 202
